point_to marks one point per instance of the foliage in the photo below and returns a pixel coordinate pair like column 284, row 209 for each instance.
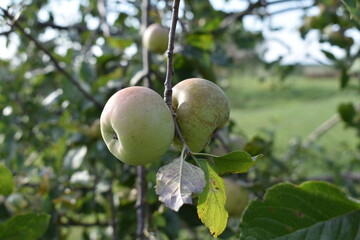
column 51, row 95
column 333, row 22
column 312, row 210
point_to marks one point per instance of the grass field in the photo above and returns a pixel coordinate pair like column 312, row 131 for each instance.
column 293, row 108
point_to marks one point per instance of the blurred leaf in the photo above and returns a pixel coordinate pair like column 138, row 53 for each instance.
column 177, row 181
column 212, row 24
column 119, row 43
column 87, row 72
column 135, row 80
column 211, row 203
column 75, row 157
column 302, row 212
column 6, row 180
column 28, row 226
column 329, row 55
column 246, row 40
column 201, row 41
column 235, row 162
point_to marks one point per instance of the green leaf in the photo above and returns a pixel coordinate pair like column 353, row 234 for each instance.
column 329, row 55
column 25, row 227
column 289, row 210
column 344, row 227
column 235, row 162
column 117, row 42
column 201, row 41
column 211, row 203
column 353, row 7
column 6, row 180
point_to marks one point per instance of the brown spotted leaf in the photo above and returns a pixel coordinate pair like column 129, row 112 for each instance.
column 211, row 203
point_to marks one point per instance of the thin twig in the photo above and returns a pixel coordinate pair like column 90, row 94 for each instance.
column 170, row 71
column 7, row 33
column 322, row 129
column 141, row 204
column 222, row 141
column 53, row 60
column 101, row 7
column 325, row 127
column 291, row 9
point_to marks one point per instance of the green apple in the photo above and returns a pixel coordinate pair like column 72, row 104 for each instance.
column 137, row 125
column 237, row 198
column 201, row 108
column 155, row 38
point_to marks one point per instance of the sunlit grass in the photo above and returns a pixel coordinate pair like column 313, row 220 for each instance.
column 290, row 109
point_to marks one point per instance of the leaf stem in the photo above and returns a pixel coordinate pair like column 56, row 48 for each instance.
column 203, row 154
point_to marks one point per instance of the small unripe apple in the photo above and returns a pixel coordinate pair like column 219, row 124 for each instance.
column 236, row 198
column 137, row 125
column 201, row 107
column 155, row 38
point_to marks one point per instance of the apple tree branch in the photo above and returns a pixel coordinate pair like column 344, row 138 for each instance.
column 17, row 25
column 170, row 70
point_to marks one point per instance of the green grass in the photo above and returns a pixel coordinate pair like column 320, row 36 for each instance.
column 294, row 108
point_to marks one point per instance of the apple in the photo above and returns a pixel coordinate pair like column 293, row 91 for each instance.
column 237, row 198
column 155, row 38
column 201, row 108
column 137, row 125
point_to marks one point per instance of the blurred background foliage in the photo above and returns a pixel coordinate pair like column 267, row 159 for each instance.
column 62, row 71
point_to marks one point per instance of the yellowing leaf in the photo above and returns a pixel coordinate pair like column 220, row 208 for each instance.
column 211, row 203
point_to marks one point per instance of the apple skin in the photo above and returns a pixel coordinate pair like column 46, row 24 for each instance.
column 237, row 198
column 155, row 38
column 137, row 125
column 201, row 108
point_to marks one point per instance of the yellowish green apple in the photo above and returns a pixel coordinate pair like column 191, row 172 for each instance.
column 137, row 125
column 236, row 198
column 201, row 108
column 155, row 38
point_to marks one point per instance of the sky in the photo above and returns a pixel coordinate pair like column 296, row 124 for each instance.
column 285, row 42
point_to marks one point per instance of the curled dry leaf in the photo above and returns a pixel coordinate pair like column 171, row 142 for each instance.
column 177, row 181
